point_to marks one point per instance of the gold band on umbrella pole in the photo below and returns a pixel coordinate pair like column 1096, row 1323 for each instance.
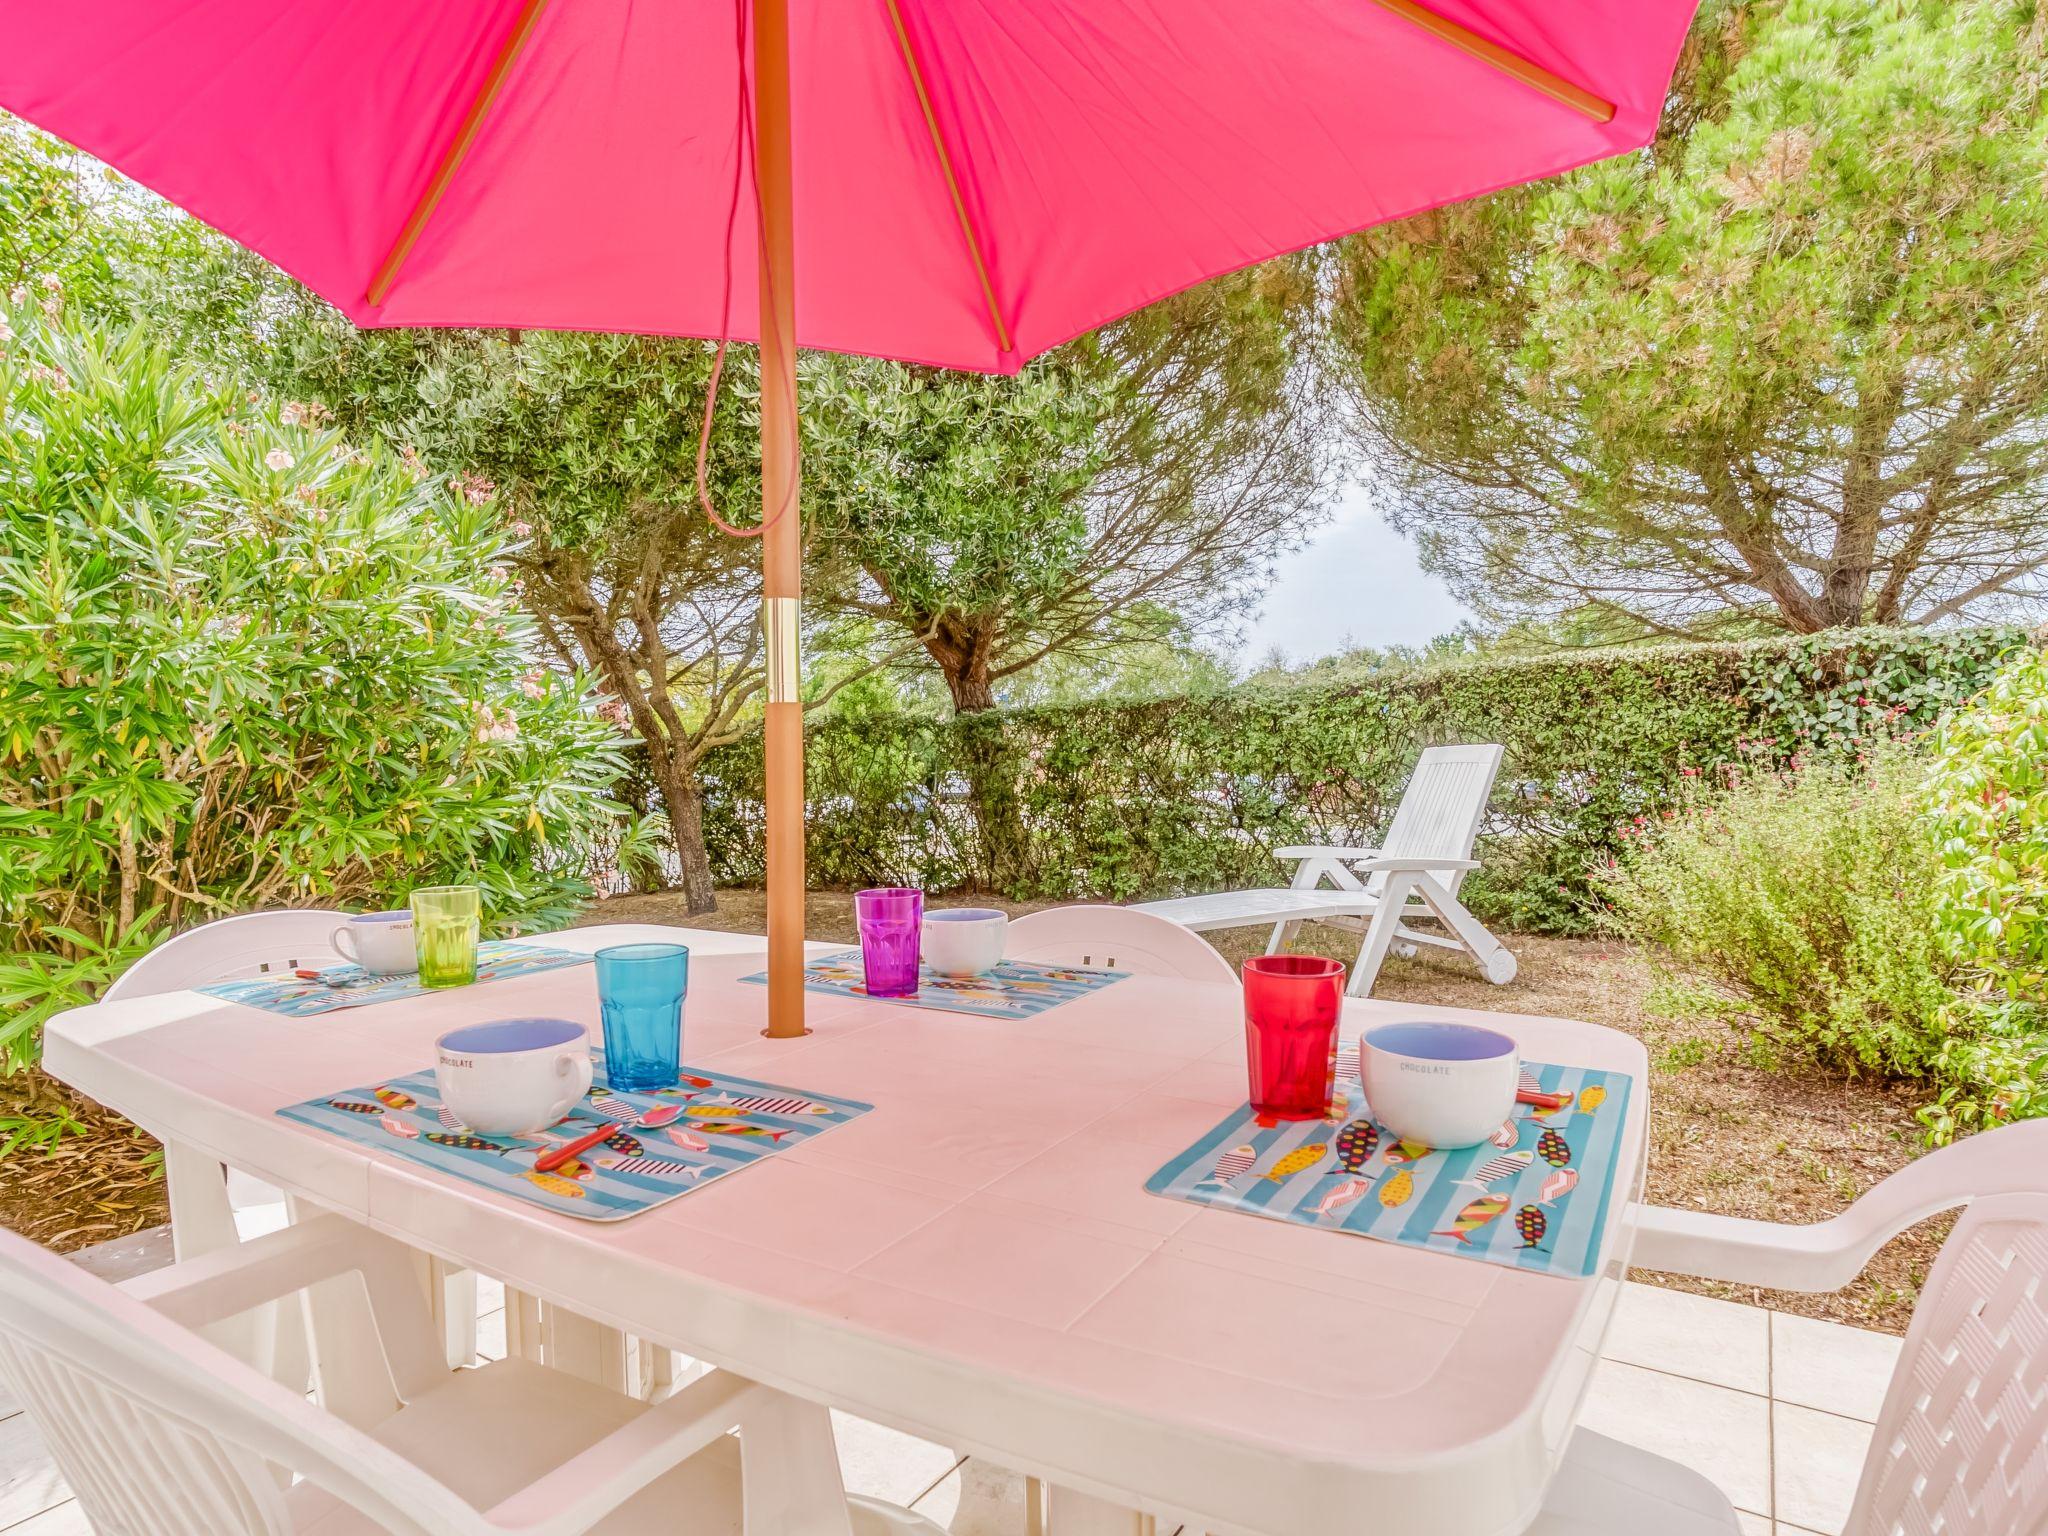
column 779, row 617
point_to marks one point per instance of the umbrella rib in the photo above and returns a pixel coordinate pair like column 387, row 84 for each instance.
column 967, row 230
column 456, row 151
column 1505, row 60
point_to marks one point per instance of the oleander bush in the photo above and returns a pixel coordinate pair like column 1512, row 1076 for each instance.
column 1135, row 799
column 245, row 664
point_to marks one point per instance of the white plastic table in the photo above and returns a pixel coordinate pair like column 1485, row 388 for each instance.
column 975, row 1260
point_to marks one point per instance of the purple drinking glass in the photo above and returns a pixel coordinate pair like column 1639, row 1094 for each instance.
column 891, row 921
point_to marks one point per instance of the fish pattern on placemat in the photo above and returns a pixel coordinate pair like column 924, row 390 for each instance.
column 653, row 1154
column 1015, row 989
column 1540, row 1205
column 297, row 998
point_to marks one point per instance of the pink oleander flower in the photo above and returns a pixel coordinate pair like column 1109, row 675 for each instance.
column 492, row 726
column 473, row 488
column 278, row 459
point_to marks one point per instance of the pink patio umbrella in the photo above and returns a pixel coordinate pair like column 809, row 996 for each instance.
column 958, row 182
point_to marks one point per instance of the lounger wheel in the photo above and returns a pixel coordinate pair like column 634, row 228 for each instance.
column 1501, row 967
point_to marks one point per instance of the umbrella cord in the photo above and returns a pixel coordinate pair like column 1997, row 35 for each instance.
column 743, row 161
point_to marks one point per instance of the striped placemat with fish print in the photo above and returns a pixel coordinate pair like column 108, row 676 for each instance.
column 1015, row 989
column 1535, row 1196
column 669, row 1142
column 350, row 986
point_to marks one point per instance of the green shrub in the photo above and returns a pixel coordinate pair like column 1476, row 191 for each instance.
column 243, row 664
column 1987, row 801
column 1988, row 796
column 1162, row 796
column 1809, row 894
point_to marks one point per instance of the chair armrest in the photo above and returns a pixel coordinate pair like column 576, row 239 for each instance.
column 1418, row 864
column 1318, row 851
column 591, row 1484
column 232, row 1280
column 1827, row 1255
column 1822, row 1256
column 227, row 1281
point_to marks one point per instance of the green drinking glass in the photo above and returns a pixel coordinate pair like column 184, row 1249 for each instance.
column 444, row 924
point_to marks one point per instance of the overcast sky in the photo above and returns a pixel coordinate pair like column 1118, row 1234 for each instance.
column 1357, row 583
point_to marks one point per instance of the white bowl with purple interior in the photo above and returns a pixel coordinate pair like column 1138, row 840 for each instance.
column 1444, row 1085
column 964, row 941
column 511, row 1077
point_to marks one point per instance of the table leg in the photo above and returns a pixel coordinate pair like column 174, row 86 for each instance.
column 583, row 1348
column 451, row 1300
column 1082, row 1514
column 522, row 1325
column 789, row 1472
column 271, row 1337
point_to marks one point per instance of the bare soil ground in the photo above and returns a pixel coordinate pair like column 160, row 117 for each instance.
column 1726, row 1135
column 102, row 1183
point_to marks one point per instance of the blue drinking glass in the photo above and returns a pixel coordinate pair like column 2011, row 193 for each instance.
column 640, row 991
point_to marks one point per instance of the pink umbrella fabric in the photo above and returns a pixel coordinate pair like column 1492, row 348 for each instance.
column 976, row 181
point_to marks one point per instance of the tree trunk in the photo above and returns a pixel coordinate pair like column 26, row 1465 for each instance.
column 963, row 650
column 684, row 802
column 561, row 590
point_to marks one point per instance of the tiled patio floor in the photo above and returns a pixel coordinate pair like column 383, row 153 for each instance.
column 1777, row 1410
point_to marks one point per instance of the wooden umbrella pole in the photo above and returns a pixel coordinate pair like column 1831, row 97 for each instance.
column 782, row 540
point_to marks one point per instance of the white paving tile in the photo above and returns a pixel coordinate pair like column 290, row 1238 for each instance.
column 1718, row 1341
column 1752, row 1525
column 490, row 1294
column 885, row 1463
column 977, row 1499
column 1723, row 1434
column 1817, row 1459
column 29, row 1483
column 67, row 1519
column 1831, row 1367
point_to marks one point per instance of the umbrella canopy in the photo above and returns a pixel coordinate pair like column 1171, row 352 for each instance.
column 974, row 181
column 959, row 182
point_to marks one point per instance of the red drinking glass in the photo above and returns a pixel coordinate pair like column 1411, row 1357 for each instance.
column 1290, row 1029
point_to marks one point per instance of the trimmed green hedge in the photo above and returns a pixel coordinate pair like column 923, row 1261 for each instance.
column 1159, row 797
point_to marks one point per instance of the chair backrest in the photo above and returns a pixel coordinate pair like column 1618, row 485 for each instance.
column 1442, row 807
column 160, row 1433
column 1116, row 939
column 1962, row 1439
column 232, row 947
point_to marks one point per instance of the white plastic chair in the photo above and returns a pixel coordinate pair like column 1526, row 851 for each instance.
column 1413, row 875
column 1115, row 939
column 230, row 948
column 161, row 1433
column 1962, row 1440
column 212, row 1206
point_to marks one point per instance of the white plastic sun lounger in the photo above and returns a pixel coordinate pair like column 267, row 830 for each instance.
column 1413, row 876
